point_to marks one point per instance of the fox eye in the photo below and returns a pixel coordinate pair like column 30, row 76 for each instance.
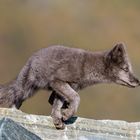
column 126, row 69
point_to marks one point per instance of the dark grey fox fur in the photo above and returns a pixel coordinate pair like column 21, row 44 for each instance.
column 65, row 71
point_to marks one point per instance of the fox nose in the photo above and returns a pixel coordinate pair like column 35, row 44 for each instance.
column 138, row 81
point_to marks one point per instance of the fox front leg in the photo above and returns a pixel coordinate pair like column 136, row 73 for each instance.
column 56, row 112
column 58, row 104
column 66, row 92
column 53, row 96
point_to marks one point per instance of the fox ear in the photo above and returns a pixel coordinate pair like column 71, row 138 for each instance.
column 117, row 54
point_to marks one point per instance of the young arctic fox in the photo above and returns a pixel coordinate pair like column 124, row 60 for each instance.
column 64, row 71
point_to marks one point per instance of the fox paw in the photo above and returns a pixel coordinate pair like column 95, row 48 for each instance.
column 58, row 123
column 66, row 114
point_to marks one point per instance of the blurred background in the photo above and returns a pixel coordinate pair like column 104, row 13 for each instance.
column 28, row 25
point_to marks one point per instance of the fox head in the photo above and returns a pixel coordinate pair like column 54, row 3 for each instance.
column 118, row 67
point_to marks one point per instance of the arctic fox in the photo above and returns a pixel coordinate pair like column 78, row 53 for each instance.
column 65, row 71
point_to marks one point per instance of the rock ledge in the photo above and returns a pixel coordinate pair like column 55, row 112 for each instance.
column 81, row 129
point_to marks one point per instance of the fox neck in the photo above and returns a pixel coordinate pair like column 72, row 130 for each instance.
column 95, row 70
